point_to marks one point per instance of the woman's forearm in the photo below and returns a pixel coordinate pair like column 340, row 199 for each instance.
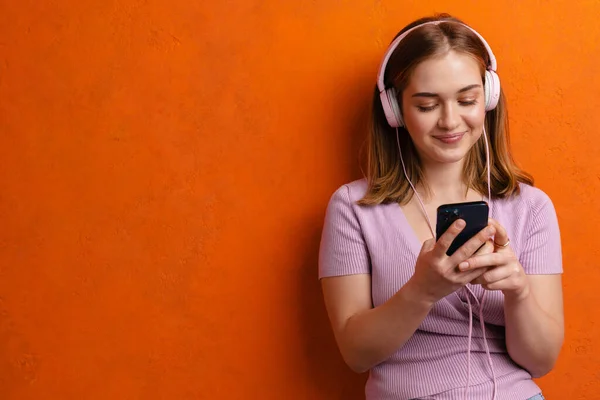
column 374, row 335
column 533, row 337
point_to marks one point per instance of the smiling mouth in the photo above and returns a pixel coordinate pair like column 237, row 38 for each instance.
column 451, row 138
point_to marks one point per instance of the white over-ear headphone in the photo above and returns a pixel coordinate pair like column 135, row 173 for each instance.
column 389, row 96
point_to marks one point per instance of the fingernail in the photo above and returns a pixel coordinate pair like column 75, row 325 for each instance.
column 463, row 265
column 460, row 223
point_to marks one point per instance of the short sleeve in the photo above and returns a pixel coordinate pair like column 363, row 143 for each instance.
column 343, row 250
column 542, row 252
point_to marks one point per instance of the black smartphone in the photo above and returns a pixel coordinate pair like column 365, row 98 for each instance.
column 474, row 213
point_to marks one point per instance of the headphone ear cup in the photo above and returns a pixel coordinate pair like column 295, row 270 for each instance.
column 491, row 90
column 395, row 107
column 388, row 108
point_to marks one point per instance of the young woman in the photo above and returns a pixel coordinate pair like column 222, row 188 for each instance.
column 479, row 324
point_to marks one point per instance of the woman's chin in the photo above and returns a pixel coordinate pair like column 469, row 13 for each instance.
column 449, row 156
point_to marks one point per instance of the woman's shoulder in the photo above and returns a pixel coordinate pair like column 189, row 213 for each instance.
column 531, row 207
column 530, row 197
column 532, row 222
column 351, row 191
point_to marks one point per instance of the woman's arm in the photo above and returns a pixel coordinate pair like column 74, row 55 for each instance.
column 535, row 324
column 366, row 336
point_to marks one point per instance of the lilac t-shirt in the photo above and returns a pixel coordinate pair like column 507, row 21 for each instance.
column 378, row 240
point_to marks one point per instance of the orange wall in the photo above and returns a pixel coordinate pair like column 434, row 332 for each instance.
column 165, row 167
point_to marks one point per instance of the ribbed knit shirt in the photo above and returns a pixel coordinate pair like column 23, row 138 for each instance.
column 432, row 364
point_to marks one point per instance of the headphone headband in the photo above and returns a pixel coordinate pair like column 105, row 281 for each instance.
column 380, row 84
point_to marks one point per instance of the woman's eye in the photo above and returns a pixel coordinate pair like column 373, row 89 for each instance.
column 434, row 106
column 426, row 108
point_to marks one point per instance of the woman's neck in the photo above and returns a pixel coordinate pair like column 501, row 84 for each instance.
column 445, row 183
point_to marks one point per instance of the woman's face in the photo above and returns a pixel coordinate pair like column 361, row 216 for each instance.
column 444, row 107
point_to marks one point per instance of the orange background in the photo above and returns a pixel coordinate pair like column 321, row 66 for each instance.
column 165, row 168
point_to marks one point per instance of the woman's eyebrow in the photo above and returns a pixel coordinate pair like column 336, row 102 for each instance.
column 429, row 94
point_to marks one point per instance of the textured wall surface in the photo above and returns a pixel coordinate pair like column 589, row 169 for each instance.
column 164, row 172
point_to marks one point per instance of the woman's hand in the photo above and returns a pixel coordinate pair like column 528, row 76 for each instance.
column 437, row 274
column 502, row 270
